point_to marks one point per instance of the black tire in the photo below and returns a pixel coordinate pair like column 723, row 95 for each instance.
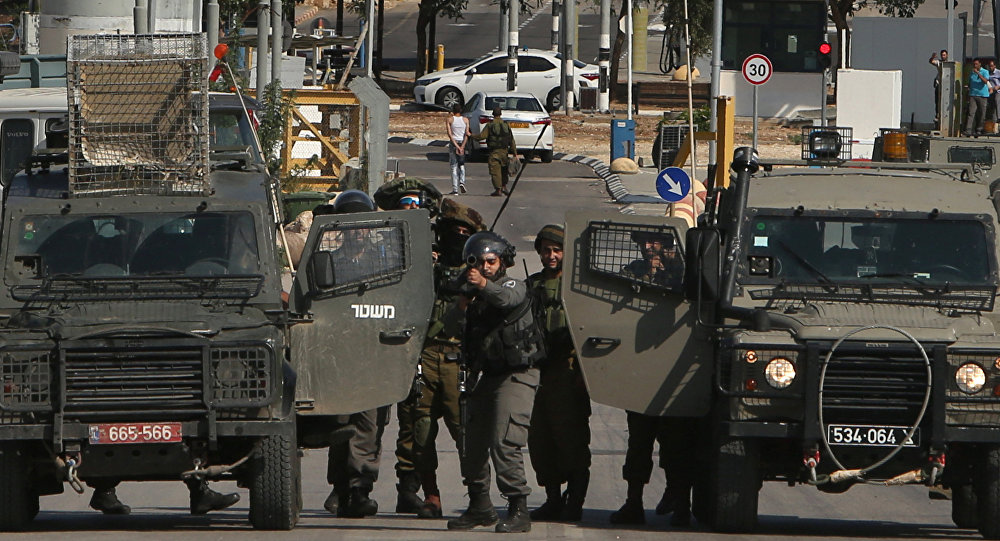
column 554, row 101
column 275, row 484
column 964, row 507
column 735, row 486
column 15, row 509
column 546, row 156
column 448, row 97
column 987, row 487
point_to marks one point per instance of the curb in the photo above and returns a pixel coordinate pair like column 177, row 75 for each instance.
column 309, row 12
column 612, row 182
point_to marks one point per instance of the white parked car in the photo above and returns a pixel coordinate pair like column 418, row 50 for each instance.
column 524, row 113
column 537, row 74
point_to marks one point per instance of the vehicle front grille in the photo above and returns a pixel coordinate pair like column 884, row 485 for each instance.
column 885, row 389
column 145, row 380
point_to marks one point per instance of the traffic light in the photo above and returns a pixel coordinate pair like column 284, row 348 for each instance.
column 824, row 55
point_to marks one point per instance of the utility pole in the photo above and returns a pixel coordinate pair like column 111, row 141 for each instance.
column 556, row 8
column 713, row 159
column 512, row 47
column 568, row 71
column 212, row 24
column 140, row 17
column 504, row 25
column 604, row 57
column 370, row 36
column 262, row 32
column 276, row 39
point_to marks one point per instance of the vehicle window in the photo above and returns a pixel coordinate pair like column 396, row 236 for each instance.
column 229, row 129
column 509, row 103
column 533, row 63
column 497, row 65
column 576, row 63
column 643, row 255
column 206, row 243
column 977, row 155
column 473, row 63
column 365, row 255
column 837, row 249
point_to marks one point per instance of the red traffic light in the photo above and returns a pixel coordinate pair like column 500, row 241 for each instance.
column 824, row 48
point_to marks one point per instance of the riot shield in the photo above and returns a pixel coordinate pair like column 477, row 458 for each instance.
column 364, row 289
column 635, row 335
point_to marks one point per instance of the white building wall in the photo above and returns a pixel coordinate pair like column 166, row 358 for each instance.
column 783, row 95
column 58, row 19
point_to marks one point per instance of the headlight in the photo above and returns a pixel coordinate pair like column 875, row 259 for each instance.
column 779, row 373
column 426, row 82
column 970, row 378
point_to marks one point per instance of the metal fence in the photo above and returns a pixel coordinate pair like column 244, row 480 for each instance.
column 138, row 114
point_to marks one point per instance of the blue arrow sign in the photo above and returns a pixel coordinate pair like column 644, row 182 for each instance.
column 673, row 184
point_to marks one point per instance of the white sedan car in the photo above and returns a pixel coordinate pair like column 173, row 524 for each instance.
column 530, row 124
column 537, row 74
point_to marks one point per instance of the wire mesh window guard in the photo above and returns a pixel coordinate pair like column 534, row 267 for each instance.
column 138, row 114
column 646, row 255
column 365, row 254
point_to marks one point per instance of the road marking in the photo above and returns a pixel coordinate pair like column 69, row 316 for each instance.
column 535, row 14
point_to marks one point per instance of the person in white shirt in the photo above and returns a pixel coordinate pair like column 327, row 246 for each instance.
column 458, row 134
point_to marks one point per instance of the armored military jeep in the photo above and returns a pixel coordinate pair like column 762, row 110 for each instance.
column 834, row 325
column 144, row 335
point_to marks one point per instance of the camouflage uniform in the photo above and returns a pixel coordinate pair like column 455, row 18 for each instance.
column 498, row 149
column 559, row 437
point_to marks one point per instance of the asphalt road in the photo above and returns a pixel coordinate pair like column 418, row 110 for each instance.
column 546, row 193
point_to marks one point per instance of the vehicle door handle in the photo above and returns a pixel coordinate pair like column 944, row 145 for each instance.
column 597, row 341
column 400, row 335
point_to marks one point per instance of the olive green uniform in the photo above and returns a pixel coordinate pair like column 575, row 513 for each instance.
column 499, row 145
column 559, row 438
column 418, row 423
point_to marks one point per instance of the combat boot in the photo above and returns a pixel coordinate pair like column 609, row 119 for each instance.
column 682, row 509
column 431, row 507
column 553, row 507
column 407, row 500
column 518, row 519
column 632, row 511
column 107, row 502
column 204, row 499
column 336, row 500
column 479, row 513
column 359, row 505
column 576, row 493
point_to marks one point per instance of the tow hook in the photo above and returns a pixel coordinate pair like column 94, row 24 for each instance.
column 212, row 472
column 68, row 464
column 928, row 475
column 935, row 467
column 810, row 461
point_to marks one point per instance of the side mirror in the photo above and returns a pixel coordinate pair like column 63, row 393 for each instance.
column 471, row 71
column 702, row 276
column 321, row 270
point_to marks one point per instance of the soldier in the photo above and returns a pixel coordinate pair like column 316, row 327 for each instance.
column 499, row 140
column 352, row 466
column 559, row 437
column 659, row 263
column 439, row 360
column 502, row 345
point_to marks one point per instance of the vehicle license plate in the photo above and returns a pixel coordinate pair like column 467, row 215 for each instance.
column 135, row 433
column 871, row 436
column 519, row 124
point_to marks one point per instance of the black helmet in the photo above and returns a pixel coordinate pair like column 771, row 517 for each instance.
column 353, row 201
column 488, row 242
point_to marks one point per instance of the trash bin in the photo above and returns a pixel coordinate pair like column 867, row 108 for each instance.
column 293, row 204
column 588, row 99
column 622, row 138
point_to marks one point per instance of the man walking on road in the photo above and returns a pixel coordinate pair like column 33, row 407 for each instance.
column 979, row 92
column 499, row 141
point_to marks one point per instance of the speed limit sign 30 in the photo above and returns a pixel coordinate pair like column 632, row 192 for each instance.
column 757, row 69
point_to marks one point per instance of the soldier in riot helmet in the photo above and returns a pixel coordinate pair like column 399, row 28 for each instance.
column 353, row 464
column 439, row 365
column 502, row 345
column 559, row 437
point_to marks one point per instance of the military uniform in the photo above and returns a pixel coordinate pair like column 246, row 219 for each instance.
column 499, row 142
column 559, row 437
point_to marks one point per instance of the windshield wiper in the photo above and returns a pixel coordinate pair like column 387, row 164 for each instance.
column 810, row 266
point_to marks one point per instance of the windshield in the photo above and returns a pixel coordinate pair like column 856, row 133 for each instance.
column 512, row 103
column 135, row 245
column 230, row 130
column 474, row 62
column 833, row 250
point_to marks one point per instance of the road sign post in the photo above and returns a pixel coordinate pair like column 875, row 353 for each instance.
column 757, row 70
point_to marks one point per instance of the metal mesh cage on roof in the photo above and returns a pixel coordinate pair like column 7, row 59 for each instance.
column 138, row 114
